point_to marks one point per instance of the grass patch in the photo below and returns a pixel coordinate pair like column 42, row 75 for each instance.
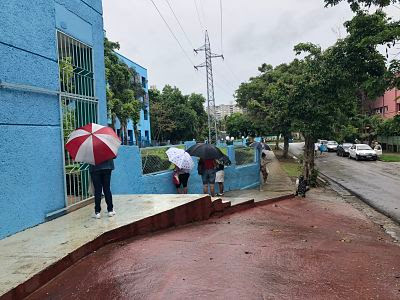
column 292, row 168
column 390, row 157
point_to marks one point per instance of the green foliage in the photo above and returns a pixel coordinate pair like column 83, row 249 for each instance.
column 123, row 90
column 238, row 125
column 357, row 5
column 177, row 117
column 389, row 127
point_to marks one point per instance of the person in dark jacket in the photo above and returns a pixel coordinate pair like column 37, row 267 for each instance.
column 101, row 177
column 301, row 185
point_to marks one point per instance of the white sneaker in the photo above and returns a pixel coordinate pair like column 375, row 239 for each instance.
column 97, row 215
column 111, row 213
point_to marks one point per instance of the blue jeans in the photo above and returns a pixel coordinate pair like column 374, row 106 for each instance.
column 208, row 176
column 101, row 182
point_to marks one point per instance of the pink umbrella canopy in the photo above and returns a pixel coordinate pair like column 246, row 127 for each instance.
column 93, row 144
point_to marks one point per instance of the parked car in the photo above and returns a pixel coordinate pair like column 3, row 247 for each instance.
column 331, row 146
column 362, row 151
column 343, row 149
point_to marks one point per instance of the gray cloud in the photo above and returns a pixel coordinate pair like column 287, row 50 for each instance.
column 254, row 32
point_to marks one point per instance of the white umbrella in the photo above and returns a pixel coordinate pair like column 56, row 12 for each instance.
column 180, row 158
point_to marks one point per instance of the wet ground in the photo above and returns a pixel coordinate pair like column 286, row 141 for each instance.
column 314, row 248
column 376, row 182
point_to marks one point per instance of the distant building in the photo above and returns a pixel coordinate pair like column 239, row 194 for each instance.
column 224, row 110
column 387, row 105
column 144, row 134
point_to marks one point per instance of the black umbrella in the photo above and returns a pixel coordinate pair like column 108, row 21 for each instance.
column 205, row 151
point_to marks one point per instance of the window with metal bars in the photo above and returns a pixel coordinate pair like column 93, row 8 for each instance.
column 76, row 66
column 79, row 107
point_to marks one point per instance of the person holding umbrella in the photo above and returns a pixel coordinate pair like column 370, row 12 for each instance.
column 183, row 178
column 207, row 153
column 101, row 177
column 183, row 164
column 96, row 145
column 207, row 170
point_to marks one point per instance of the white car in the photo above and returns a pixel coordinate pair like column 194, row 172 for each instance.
column 362, row 151
column 331, row 146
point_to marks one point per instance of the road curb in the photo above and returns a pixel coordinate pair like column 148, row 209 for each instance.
column 362, row 198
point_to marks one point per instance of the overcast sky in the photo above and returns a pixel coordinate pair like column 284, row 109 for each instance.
column 253, row 32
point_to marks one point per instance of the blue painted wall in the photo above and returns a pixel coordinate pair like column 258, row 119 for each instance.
column 127, row 177
column 143, row 124
column 31, row 168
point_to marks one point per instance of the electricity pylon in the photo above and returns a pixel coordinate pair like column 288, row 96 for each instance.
column 212, row 120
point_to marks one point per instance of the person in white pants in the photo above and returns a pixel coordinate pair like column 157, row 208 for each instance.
column 220, row 178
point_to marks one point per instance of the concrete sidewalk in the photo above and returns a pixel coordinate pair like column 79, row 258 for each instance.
column 30, row 258
column 278, row 184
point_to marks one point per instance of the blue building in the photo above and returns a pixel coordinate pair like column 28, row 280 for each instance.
column 144, row 132
column 52, row 81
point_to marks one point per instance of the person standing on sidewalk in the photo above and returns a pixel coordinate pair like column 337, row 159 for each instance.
column 263, row 167
column 101, row 177
column 220, row 177
column 183, row 176
column 207, row 171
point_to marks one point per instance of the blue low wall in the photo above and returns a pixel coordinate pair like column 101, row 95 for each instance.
column 127, row 177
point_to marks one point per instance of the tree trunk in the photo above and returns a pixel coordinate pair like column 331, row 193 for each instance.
column 277, row 142
column 126, row 134
column 285, row 145
column 308, row 162
column 113, row 122
column 135, row 132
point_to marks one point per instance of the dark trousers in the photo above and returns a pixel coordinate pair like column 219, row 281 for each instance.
column 101, row 182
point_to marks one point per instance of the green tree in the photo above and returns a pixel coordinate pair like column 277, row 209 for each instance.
column 239, row 124
column 357, row 5
column 266, row 97
column 177, row 117
column 123, row 91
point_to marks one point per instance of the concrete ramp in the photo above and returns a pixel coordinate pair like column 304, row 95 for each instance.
column 31, row 258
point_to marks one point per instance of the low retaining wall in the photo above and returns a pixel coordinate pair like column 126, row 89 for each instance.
column 127, row 178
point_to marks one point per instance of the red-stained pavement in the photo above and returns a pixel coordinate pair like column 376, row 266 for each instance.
column 296, row 249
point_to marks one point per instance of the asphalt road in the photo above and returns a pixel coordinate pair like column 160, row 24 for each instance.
column 375, row 182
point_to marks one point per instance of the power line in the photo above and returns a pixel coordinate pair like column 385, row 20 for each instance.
column 220, row 9
column 180, row 25
column 204, row 15
column 198, row 15
column 170, row 30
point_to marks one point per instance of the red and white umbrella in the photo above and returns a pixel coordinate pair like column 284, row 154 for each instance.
column 93, row 144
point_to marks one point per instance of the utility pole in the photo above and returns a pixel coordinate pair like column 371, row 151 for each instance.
column 212, row 120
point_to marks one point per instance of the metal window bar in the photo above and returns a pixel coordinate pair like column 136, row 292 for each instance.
column 78, row 107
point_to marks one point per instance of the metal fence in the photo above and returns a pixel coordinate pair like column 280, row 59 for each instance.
column 390, row 143
column 154, row 159
column 244, row 155
column 78, row 107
